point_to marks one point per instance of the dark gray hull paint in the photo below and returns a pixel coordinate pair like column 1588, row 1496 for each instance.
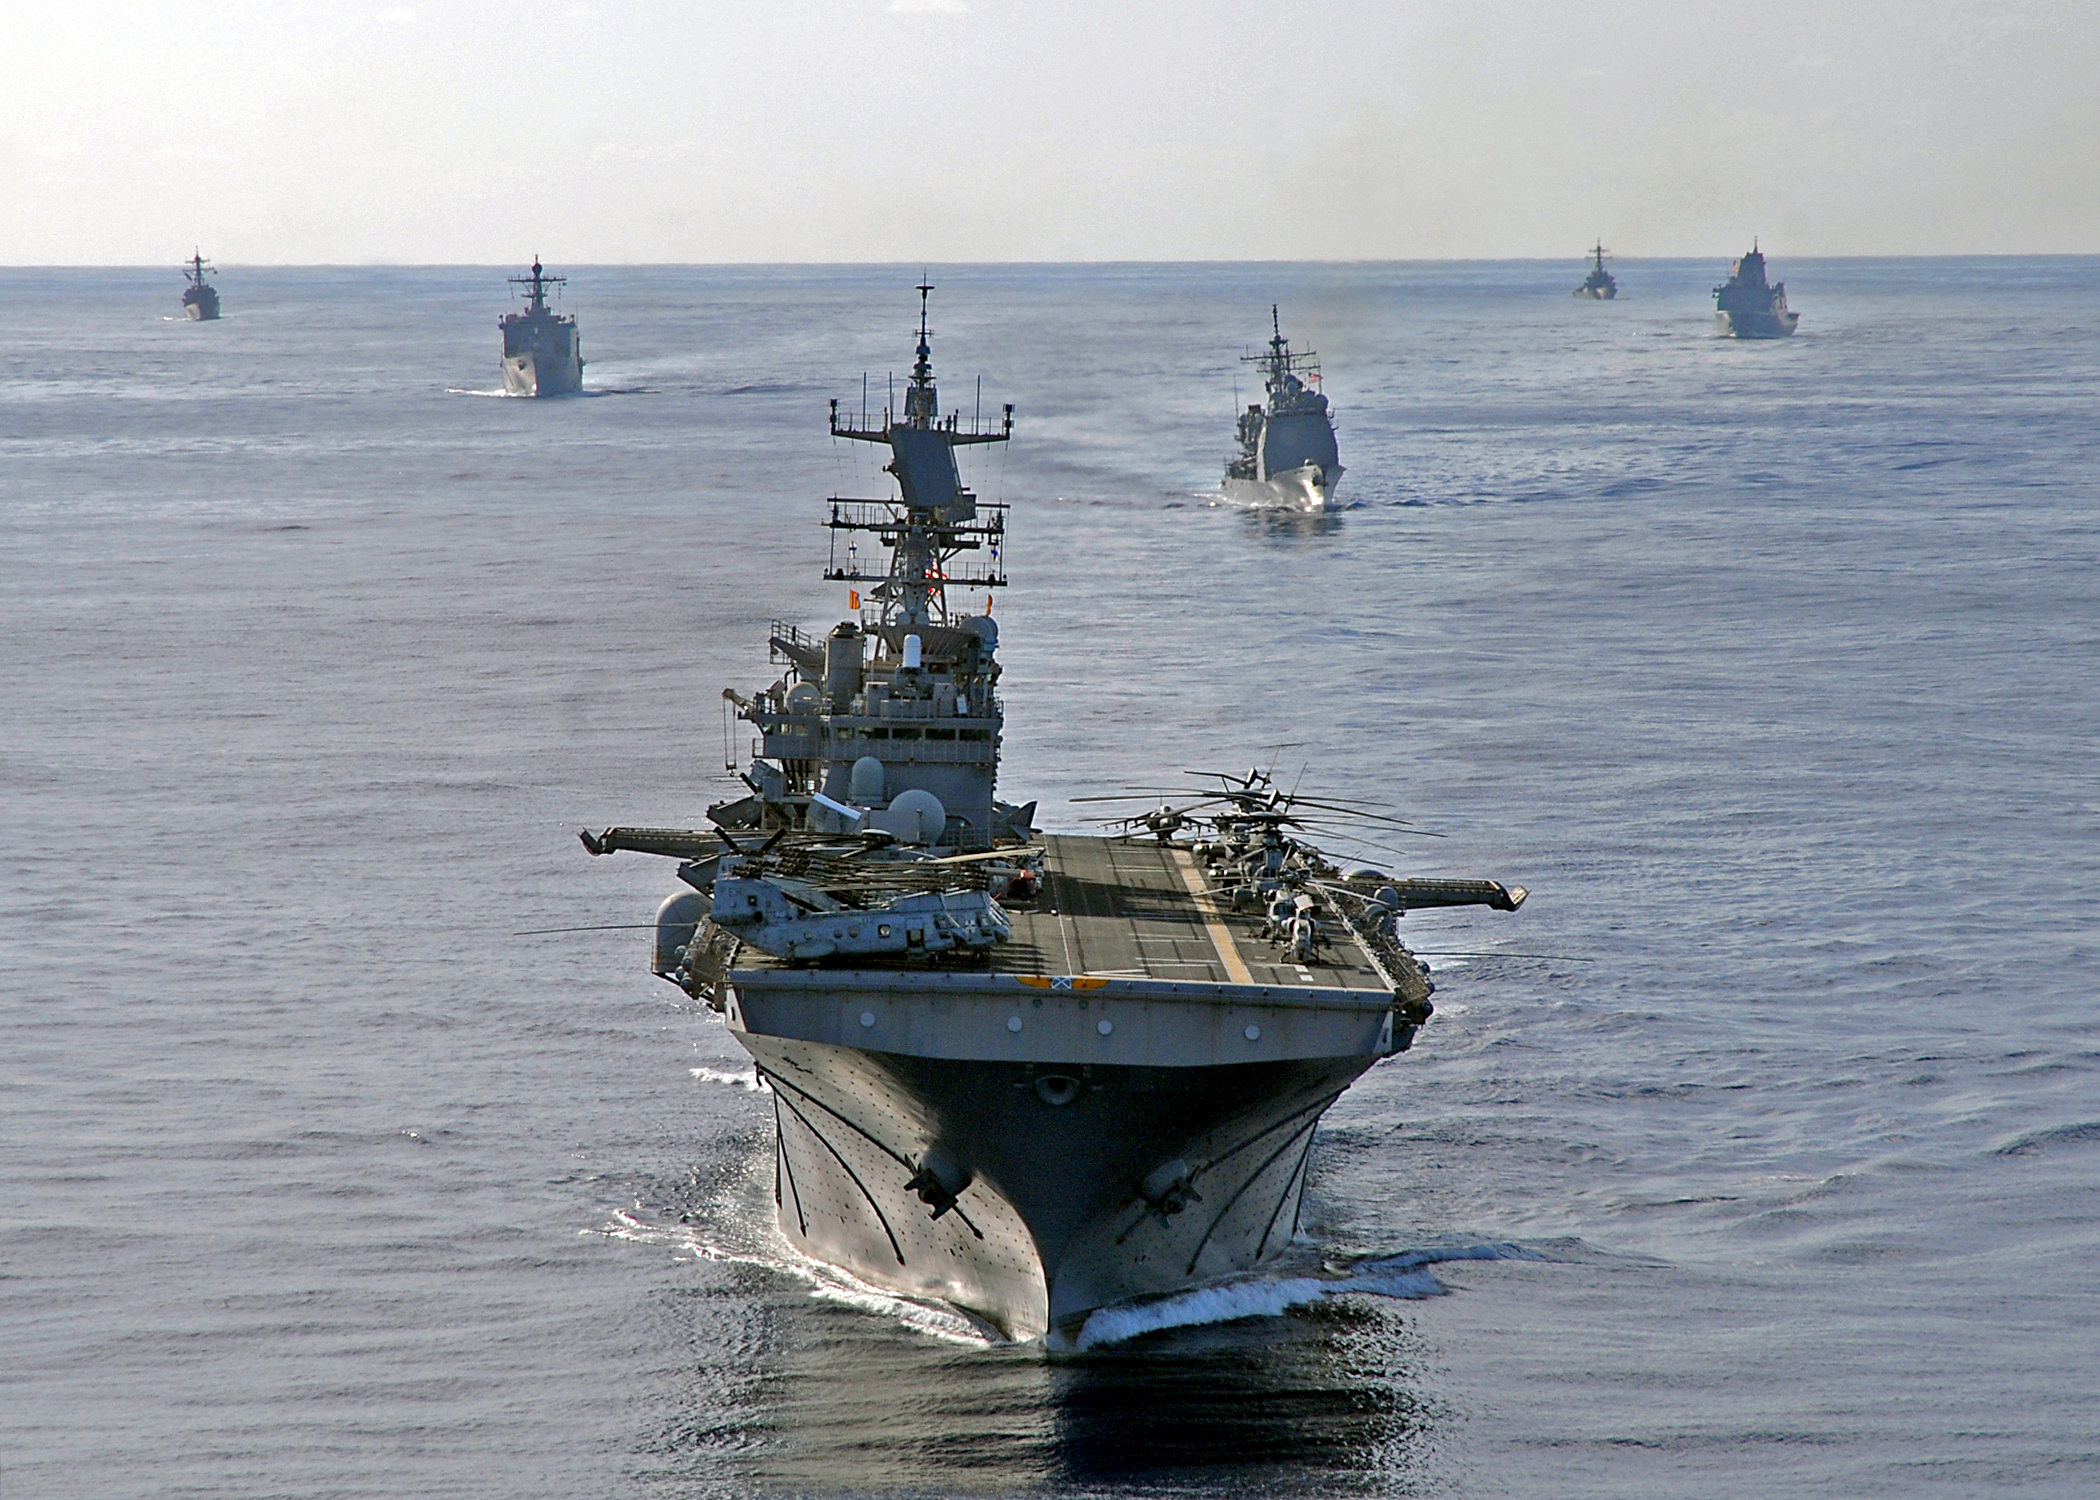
column 1053, row 1223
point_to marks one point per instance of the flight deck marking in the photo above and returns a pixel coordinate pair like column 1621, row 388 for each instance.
column 1065, row 927
column 1220, row 934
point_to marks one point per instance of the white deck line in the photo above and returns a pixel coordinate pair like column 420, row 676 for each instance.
column 1220, row 935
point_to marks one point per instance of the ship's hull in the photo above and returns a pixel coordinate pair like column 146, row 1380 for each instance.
column 1078, row 1181
column 1597, row 293
column 1309, row 488
column 201, row 311
column 1756, row 325
column 537, row 375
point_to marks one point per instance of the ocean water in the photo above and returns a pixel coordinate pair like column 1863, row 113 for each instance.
column 1758, row 1154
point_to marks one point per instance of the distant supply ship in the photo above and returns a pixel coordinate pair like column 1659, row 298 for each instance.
column 200, row 299
column 1027, row 1075
column 1598, row 285
column 542, row 355
column 1747, row 307
column 1287, row 456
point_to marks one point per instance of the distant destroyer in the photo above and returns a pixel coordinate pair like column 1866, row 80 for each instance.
column 1025, row 1075
column 541, row 353
column 1747, row 308
column 1598, row 286
column 200, row 299
column 1287, row 454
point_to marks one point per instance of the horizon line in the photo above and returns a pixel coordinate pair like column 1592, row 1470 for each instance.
column 1436, row 260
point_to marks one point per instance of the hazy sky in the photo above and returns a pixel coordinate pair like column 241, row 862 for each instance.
column 948, row 130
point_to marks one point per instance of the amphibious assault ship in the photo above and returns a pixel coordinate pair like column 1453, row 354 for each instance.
column 1026, row 1075
column 1287, row 453
column 541, row 353
column 200, row 299
column 1598, row 285
column 1747, row 308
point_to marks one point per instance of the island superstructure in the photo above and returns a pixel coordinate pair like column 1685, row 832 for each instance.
column 1287, row 456
column 1598, row 286
column 1746, row 307
column 200, row 299
column 1028, row 1075
column 542, row 355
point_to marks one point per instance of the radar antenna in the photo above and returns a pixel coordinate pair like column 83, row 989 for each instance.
column 536, row 285
column 935, row 518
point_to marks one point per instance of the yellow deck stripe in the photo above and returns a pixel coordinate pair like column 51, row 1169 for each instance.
column 1220, row 934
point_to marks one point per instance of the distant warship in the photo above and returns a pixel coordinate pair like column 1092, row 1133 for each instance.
column 1287, row 454
column 1598, row 285
column 1747, row 307
column 200, row 299
column 541, row 353
column 1025, row 1075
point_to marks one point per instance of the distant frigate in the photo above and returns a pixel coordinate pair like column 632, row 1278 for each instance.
column 1747, row 308
column 542, row 355
column 200, row 299
column 1026, row 1075
column 1287, row 455
column 1598, row 286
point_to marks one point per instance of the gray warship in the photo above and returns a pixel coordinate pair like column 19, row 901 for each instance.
column 1287, row 454
column 1747, row 308
column 1024, row 1075
column 541, row 353
column 1598, row 286
column 200, row 299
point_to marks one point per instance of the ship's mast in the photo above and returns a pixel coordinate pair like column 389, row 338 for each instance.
column 1279, row 365
column 536, row 288
column 934, row 520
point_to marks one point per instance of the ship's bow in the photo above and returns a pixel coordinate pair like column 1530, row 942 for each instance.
column 1031, row 1151
column 521, row 376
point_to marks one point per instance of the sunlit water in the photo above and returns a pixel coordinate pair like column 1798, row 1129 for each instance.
column 1770, row 669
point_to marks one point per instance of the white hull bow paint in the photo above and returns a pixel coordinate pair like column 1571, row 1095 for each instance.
column 1310, row 489
column 1757, row 325
column 527, row 375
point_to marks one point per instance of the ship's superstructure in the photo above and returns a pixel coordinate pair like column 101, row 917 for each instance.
column 1029, row 1075
column 1746, row 307
column 542, row 355
column 1287, row 455
column 200, row 299
column 1598, row 286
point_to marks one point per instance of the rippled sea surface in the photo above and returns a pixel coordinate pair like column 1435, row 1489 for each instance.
column 1773, row 670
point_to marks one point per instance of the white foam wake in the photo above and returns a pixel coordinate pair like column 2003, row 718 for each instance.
column 827, row 1283
column 1407, row 1277
column 746, row 1081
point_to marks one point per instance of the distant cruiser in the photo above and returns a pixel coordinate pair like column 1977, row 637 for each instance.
column 542, row 355
column 1598, row 285
column 1287, row 455
column 1747, row 307
column 200, row 299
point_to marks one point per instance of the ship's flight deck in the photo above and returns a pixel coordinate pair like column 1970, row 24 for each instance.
column 1130, row 909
